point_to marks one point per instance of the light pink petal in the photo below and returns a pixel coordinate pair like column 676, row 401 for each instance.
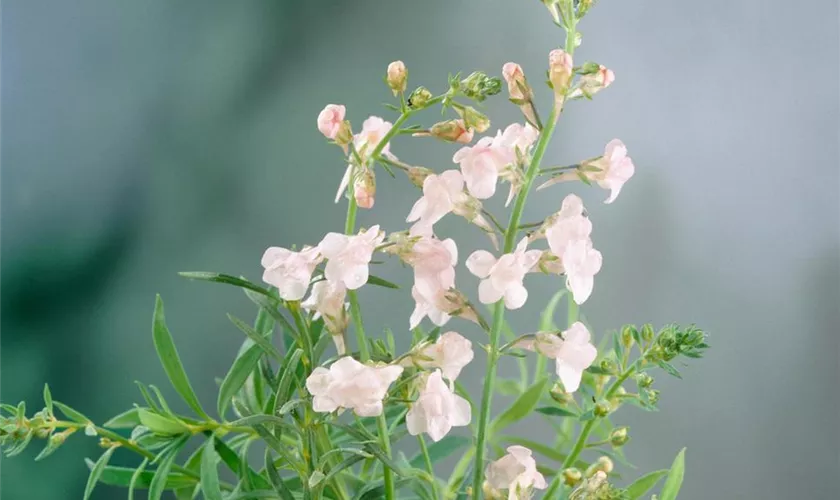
column 452, row 248
column 581, row 287
column 342, row 186
column 346, row 368
column 482, row 184
column 355, row 276
column 324, row 404
column 318, row 381
column 481, row 263
column 272, row 255
column 417, row 210
column 462, row 413
column 332, row 244
column 453, row 179
column 569, row 375
column 415, row 422
column 487, row 293
column 437, row 428
column 290, row 289
column 515, row 296
column 369, row 410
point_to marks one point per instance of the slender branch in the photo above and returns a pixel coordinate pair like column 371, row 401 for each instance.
column 429, row 467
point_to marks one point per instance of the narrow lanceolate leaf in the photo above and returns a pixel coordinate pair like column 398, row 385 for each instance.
column 523, row 405
column 282, row 392
column 209, row 473
column 673, row 482
column 171, row 362
column 126, row 420
column 162, row 473
column 96, row 471
column 374, row 280
column 276, row 481
column 668, row 367
column 547, row 316
column 48, row 401
column 236, row 377
column 556, row 412
column 258, row 338
column 71, row 413
column 123, row 476
column 225, row 279
column 135, row 477
column 160, row 424
column 442, row 449
column 644, row 484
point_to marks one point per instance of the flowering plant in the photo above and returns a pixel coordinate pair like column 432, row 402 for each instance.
column 328, row 425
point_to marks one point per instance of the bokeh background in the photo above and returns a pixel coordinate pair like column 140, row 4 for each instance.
column 144, row 138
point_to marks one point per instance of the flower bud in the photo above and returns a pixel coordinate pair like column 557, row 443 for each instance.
column 647, row 332
column 627, row 336
column 603, row 465
column 344, row 135
column 550, row 263
column 558, row 393
column 571, row 476
column 364, row 189
column 559, row 73
column 619, row 437
column 417, row 175
column 419, row 98
column 592, row 83
column 397, row 76
column 474, row 119
column 518, row 87
column 478, row 86
column 644, row 380
column 602, row 409
column 653, row 396
column 616, row 400
column 452, row 131
column 330, row 120
column 609, row 366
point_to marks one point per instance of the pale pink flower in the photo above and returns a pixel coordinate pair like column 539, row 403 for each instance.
column 330, row 119
column 480, row 166
column 574, row 355
column 373, row 131
column 568, row 225
column 437, row 410
column 349, row 256
column 516, row 136
column 434, row 262
column 351, row 385
column 327, row 300
column 441, row 193
column 290, row 271
column 450, row 353
column 516, row 472
column 364, row 189
column 517, row 85
column 581, row 263
column 431, row 302
column 503, row 278
column 616, row 169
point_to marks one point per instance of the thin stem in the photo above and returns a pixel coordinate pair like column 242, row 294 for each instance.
column 382, row 425
column 429, row 467
column 499, row 309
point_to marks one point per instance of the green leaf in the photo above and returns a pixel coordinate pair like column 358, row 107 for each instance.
column 71, row 413
column 284, row 381
column 523, row 405
column 344, row 464
column 669, row 368
column 48, row 401
column 160, row 424
column 237, row 466
column 168, row 355
column 442, row 449
column 147, row 397
column 126, row 420
column 556, row 412
column 258, row 338
column 374, row 280
column 255, row 420
column 161, row 475
column 674, row 481
column 225, row 279
column 209, row 473
column 96, row 471
column 236, row 377
column 276, row 481
column 136, row 477
column 547, row 316
column 48, row 450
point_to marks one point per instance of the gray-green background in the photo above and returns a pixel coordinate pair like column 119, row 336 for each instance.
column 144, row 138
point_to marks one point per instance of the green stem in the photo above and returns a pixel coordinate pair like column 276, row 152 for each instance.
column 499, row 308
column 429, row 467
column 382, row 425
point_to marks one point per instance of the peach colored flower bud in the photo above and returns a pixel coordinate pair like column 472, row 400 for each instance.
column 452, row 131
column 417, row 175
column 397, row 76
column 364, row 189
column 518, row 87
column 560, row 72
column 330, row 120
column 593, row 82
column 344, row 136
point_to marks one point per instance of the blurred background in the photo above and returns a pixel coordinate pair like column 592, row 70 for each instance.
column 144, row 138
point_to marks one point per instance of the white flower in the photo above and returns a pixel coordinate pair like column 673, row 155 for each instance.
column 290, row 271
column 349, row 256
column 480, row 165
column 437, row 410
column 503, row 278
column 581, row 263
column 431, row 303
column 434, row 262
column 327, row 300
column 568, row 225
column 572, row 350
column 616, row 169
column 516, row 472
column 351, row 385
column 575, row 354
column 441, row 194
column 516, row 136
column 450, row 353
